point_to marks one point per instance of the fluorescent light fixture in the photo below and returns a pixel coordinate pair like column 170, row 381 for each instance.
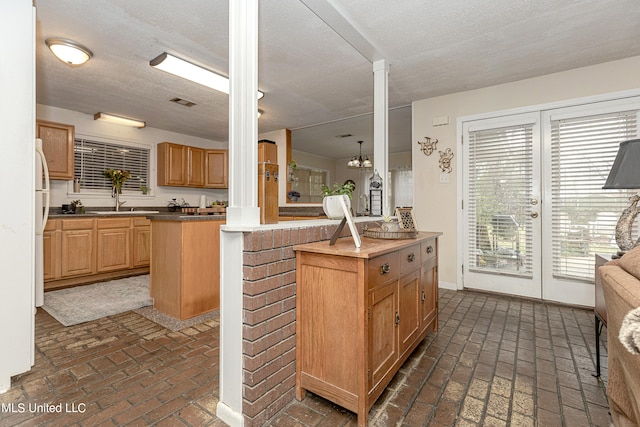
column 119, row 120
column 195, row 73
column 68, row 51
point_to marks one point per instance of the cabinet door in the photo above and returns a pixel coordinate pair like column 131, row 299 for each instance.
column 216, row 169
column 172, row 164
column 141, row 246
column 77, row 252
column 383, row 342
column 429, row 294
column 408, row 311
column 57, row 144
column 113, row 249
column 50, row 254
column 195, row 174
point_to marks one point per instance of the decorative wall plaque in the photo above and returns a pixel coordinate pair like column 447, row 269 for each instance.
column 429, row 146
column 445, row 160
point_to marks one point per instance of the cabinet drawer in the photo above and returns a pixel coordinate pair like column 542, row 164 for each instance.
column 77, row 224
column 383, row 269
column 104, row 223
column 429, row 250
column 51, row 225
column 409, row 259
column 138, row 222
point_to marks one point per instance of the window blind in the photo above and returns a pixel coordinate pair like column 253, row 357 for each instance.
column 498, row 209
column 92, row 158
column 584, row 216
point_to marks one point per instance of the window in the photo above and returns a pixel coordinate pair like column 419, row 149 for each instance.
column 92, row 158
column 309, row 182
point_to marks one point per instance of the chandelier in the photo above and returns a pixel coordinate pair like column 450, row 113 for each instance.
column 359, row 162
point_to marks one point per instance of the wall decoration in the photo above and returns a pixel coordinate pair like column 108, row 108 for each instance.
column 429, row 146
column 445, row 160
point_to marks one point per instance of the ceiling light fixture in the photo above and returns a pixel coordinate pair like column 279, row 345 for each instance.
column 181, row 68
column 359, row 162
column 119, row 120
column 260, row 112
column 68, row 51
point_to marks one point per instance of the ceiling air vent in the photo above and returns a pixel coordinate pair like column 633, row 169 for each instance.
column 346, row 135
column 184, row 102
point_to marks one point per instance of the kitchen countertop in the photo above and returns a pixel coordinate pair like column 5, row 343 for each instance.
column 182, row 217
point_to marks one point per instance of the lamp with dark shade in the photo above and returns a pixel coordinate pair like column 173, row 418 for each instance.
column 625, row 174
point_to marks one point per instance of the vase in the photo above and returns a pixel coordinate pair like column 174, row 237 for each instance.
column 115, row 193
column 333, row 208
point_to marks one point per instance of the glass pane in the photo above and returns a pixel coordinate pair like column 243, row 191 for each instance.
column 500, row 188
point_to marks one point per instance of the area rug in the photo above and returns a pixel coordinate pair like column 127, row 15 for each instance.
column 174, row 324
column 81, row 304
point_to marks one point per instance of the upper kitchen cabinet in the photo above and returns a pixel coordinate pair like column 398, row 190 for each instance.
column 57, row 144
column 172, row 162
column 184, row 166
column 216, row 169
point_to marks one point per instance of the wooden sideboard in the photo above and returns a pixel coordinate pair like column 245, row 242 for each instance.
column 360, row 313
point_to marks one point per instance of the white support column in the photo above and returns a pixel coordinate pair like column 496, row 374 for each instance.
column 243, row 210
column 381, row 127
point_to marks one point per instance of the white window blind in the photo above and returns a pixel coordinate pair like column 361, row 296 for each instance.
column 500, row 188
column 584, row 216
column 92, row 158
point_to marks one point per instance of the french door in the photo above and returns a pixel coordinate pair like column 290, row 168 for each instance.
column 535, row 213
column 501, row 159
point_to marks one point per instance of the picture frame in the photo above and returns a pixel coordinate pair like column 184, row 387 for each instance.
column 406, row 218
column 354, row 231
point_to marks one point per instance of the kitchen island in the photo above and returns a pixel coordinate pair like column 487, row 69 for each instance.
column 185, row 264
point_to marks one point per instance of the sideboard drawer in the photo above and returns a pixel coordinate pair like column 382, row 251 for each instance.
column 383, row 269
column 409, row 259
column 428, row 250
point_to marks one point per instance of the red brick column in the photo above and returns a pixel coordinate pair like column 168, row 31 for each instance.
column 269, row 317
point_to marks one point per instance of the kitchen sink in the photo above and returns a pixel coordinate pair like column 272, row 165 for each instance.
column 123, row 212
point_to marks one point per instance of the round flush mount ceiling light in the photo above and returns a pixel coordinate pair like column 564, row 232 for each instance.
column 68, row 51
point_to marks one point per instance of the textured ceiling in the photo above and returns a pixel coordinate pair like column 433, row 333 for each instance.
column 309, row 74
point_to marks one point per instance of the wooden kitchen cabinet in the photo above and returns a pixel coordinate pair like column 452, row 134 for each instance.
column 57, row 144
column 360, row 313
column 216, row 169
column 141, row 242
column 195, row 167
column 51, row 251
column 113, row 244
column 87, row 249
column 172, row 164
column 77, row 247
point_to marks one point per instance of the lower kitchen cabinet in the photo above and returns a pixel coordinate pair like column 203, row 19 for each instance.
column 360, row 313
column 114, row 244
column 141, row 242
column 77, row 247
column 87, row 249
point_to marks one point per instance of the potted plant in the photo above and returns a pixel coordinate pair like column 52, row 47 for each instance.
column 331, row 201
column 293, row 196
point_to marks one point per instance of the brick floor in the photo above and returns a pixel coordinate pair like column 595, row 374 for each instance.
column 497, row 361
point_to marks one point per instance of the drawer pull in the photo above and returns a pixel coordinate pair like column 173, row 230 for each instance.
column 424, row 296
column 385, row 268
column 397, row 318
column 429, row 249
column 411, row 257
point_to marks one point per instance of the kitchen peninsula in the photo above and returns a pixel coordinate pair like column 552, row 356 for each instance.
column 185, row 264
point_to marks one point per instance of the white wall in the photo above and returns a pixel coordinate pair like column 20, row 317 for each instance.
column 86, row 126
column 437, row 205
column 17, row 174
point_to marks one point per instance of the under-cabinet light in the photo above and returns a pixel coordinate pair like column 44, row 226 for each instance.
column 119, row 120
column 181, row 68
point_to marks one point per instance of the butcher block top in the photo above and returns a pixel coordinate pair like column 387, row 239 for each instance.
column 370, row 248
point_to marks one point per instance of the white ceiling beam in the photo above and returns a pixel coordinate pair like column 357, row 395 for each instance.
column 334, row 16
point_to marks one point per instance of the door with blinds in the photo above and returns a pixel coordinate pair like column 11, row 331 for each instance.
column 535, row 211
column 501, row 203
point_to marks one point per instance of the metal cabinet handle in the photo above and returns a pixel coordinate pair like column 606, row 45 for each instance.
column 397, row 317
column 423, row 297
column 385, row 268
column 429, row 249
column 411, row 257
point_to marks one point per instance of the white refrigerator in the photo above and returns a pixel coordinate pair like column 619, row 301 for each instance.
column 43, row 197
